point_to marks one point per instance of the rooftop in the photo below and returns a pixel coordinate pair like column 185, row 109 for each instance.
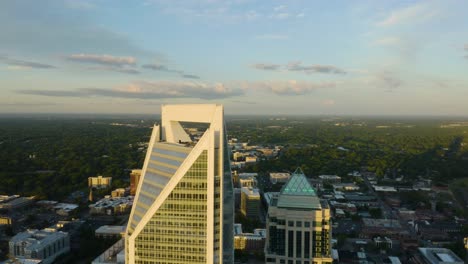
column 440, row 255
column 37, row 239
column 298, row 193
column 251, row 192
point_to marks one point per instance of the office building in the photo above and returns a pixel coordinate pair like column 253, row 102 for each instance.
column 134, row 180
column 250, row 202
column 44, row 245
column 99, row 182
column 298, row 225
column 183, row 210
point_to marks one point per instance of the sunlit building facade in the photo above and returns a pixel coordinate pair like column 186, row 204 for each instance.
column 298, row 225
column 183, row 209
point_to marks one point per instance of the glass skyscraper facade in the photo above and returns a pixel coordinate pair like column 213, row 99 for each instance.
column 183, row 210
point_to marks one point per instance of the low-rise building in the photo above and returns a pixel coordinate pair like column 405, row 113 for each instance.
column 330, row 179
column 440, row 256
column 113, row 255
column 279, row 177
column 346, row 187
column 5, row 220
column 65, row 209
column 250, row 159
column 250, row 241
column 108, row 231
column 99, row 182
column 382, row 227
column 112, row 206
column 384, row 188
column 247, row 181
column 44, row 245
column 120, row 192
column 15, row 202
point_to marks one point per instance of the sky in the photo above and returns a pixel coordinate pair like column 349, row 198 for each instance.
column 253, row 56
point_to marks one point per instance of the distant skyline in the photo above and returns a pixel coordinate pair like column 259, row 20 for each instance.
column 254, row 57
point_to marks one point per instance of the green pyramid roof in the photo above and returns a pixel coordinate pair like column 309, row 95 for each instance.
column 298, row 185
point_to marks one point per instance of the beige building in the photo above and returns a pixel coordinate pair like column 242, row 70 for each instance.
column 5, row 220
column 134, row 180
column 183, row 211
column 250, row 202
column 247, row 181
column 298, row 225
column 99, row 182
column 279, row 177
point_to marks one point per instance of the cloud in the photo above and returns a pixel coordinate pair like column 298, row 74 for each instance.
column 160, row 67
column 188, row 89
column 466, row 47
column 22, row 64
column 103, row 59
column 164, row 68
column 416, row 13
column 126, row 70
column 298, row 67
column 291, row 87
column 190, row 76
column 149, row 90
column 267, row 66
column 52, row 93
column 16, row 104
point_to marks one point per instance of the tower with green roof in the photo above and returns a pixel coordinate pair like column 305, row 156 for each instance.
column 298, row 225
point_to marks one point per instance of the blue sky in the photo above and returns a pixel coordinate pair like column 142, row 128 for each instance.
column 255, row 57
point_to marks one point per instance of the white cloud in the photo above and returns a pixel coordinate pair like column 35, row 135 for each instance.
column 290, row 87
column 309, row 69
column 16, row 64
column 102, row 59
column 267, row 66
column 419, row 12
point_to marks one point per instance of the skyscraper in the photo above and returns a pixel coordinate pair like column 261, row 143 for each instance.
column 183, row 209
column 298, row 225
